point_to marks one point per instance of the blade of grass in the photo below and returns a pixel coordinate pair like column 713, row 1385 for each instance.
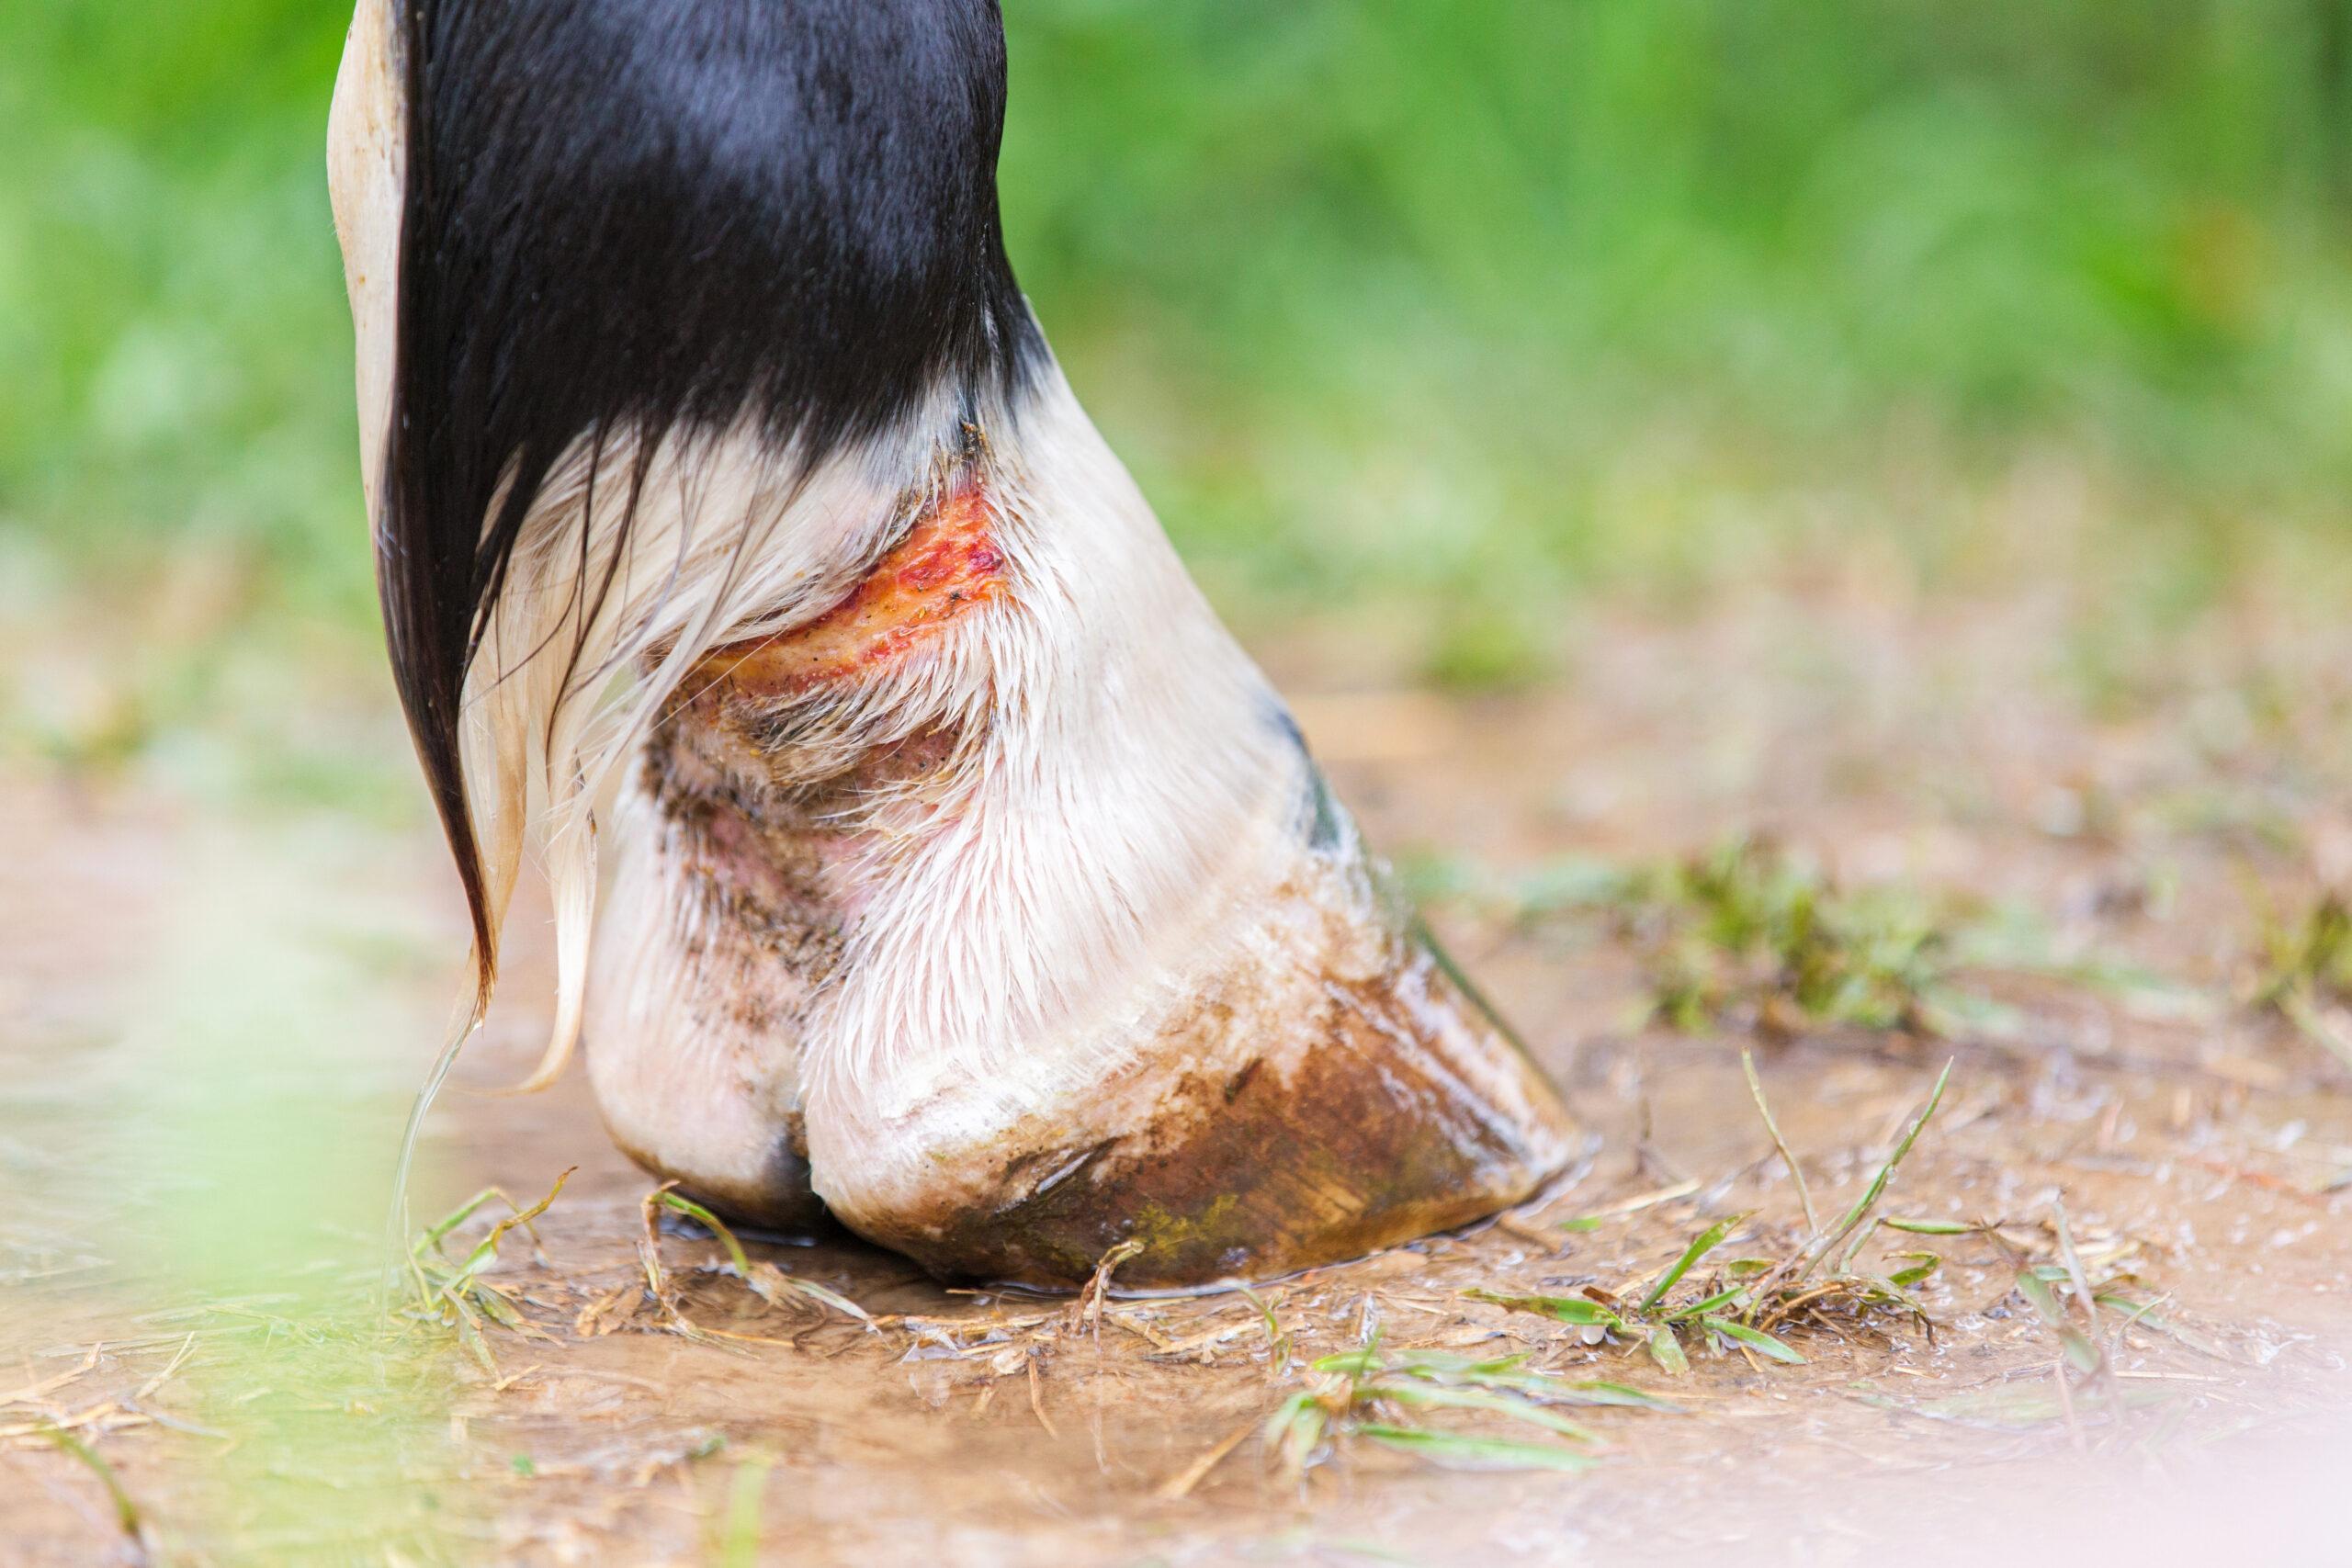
column 1596, row 1392
column 126, row 1512
column 1426, row 1361
column 1755, row 1339
column 1634, row 1206
column 1927, row 1264
column 1295, row 1430
column 1772, row 1125
column 1861, row 1239
column 1441, row 1366
column 1878, row 1288
column 1581, row 1311
column 2142, row 1315
column 2080, row 1352
column 486, row 1249
column 1821, row 1245
column 2075, row 1274
column 766, row 1280
column 1706, row 1242
column 678, row 1203
column 1558, row 1390
column 435, row 1234
column 1440, row 1396
column 1735, row 1296
column 1277, row 1338
column 740, row 1543
column 1458, row 1452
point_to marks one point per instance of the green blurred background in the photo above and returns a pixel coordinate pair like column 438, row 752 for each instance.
column 1467, row 310
column 1456, row 320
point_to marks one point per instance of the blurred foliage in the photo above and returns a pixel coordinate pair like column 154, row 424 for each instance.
column 1379, row 296
column 173, row 352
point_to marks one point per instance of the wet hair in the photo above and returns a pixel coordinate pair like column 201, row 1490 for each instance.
column 626, row 220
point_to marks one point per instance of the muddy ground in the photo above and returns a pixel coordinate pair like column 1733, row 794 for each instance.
column 2097, row 862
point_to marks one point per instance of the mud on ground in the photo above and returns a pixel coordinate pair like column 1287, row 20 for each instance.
column 1855, row 841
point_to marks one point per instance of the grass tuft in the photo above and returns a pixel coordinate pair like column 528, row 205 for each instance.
column 1739, row 1306
column 2303, row 970
column 764, row 1279
column 1753, row 936
column 453, row 1292
column 1384, row 1396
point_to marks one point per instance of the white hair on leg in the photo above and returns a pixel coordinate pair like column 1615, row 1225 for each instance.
column 629, row 572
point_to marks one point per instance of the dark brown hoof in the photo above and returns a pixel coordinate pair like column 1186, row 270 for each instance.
column 1391, row 1109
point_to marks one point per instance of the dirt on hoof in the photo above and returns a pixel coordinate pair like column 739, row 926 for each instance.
column 1963, row 1052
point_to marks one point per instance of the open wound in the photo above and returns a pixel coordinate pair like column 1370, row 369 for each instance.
column 947, row 565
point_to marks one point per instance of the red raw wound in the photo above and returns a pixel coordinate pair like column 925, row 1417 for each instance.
column 947, row 565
